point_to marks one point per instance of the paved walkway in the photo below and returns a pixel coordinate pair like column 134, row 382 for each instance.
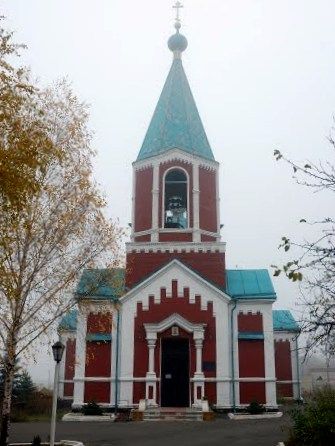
column 221, row 432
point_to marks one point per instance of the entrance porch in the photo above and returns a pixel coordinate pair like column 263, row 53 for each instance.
column 179, row 341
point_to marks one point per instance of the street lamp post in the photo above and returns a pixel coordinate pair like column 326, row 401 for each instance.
column 57, row 351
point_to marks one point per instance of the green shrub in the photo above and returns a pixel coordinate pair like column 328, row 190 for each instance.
column 255, row 408
column 92, row 408
column 314, row 422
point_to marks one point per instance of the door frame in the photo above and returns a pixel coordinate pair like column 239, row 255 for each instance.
column 189, row 367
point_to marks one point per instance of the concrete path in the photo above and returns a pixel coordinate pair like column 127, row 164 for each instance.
column 221, row 432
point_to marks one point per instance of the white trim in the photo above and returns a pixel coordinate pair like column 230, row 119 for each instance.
column 287, row 382
column 152, row 329
column 80, row 363
column 174, row 263
column 133, row 201
column 113, row 355
column 164, row 230
column 174, row 154
column 155, row 204
column 157, row 379
column 196, row 203
column 187, row 195
column 218, row 200
column 269, row 357
column 176, row 247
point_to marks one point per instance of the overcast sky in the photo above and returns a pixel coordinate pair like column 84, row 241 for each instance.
column 262, row 73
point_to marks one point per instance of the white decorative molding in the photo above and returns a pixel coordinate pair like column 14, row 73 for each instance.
column 163, row 200
column 151, row 231
column 196, row 204
column 152, row 329
column 152, row 286
column 178, row 247
column 253, row 312
column 172, row 155
column 176, row 270
column 93, row 305
column 155, row 203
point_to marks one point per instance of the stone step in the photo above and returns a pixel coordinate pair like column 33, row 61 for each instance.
column 172, row 415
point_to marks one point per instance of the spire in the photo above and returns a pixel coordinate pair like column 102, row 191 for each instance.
column 176, row 122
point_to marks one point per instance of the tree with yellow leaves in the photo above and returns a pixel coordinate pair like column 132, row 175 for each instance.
column 52, row 223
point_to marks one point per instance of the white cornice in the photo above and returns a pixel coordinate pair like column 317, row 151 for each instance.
column 175, row 154
column 178, row 247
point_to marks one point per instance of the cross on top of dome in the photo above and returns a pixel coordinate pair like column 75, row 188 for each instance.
column 177, row 7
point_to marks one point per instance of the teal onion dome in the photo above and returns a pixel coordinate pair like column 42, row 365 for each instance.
column 177, row 42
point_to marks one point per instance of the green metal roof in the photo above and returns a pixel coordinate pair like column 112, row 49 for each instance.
column 284, row 321
column 176, row 122
column 249, row 284
column 101, row 283
column 69, row 321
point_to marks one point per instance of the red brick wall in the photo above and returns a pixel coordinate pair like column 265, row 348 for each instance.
column 98, row 364
column 251, row 358
column 143, row 199
column 178, row 303
column 284, row 390
column 252, row 392
column 70, row 357
column 283, row 366
column 250, row 322
column 97, row 391
column 251, row 364
column 208, row 195
column 99, row 323
column 162, row 169
column 98, row 358
column 175, row 237
column 210, row 265
column 68, row 389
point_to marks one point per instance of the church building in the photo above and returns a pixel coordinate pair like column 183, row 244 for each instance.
column 175, row 327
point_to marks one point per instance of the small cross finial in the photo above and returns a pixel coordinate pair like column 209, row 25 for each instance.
column 178, row 7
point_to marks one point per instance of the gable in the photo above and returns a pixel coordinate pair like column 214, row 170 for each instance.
column 186, row 278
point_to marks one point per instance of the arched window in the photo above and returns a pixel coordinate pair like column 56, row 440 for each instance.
column 175, row 200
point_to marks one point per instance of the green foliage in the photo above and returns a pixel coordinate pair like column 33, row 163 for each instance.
column 92, row 408
column 255, row 408
column 24, row 388
column 314, row 423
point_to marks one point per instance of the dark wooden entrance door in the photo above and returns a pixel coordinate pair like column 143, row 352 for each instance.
column 175, row 373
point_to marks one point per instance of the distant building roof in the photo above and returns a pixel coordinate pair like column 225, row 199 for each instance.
column 283, row 320
column 69, row 321
column 101, row 283
column 249, row 284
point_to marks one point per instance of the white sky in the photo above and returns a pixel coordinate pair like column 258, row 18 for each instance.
column 262, row 73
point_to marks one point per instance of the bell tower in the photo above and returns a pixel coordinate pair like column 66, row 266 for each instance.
column 176, row 212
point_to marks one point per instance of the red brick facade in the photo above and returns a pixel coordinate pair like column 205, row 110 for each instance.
column 178, row 303
column 70, row 358
column 208, row 200
column 210, row 265
column 143, row 202
column 283, row 368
